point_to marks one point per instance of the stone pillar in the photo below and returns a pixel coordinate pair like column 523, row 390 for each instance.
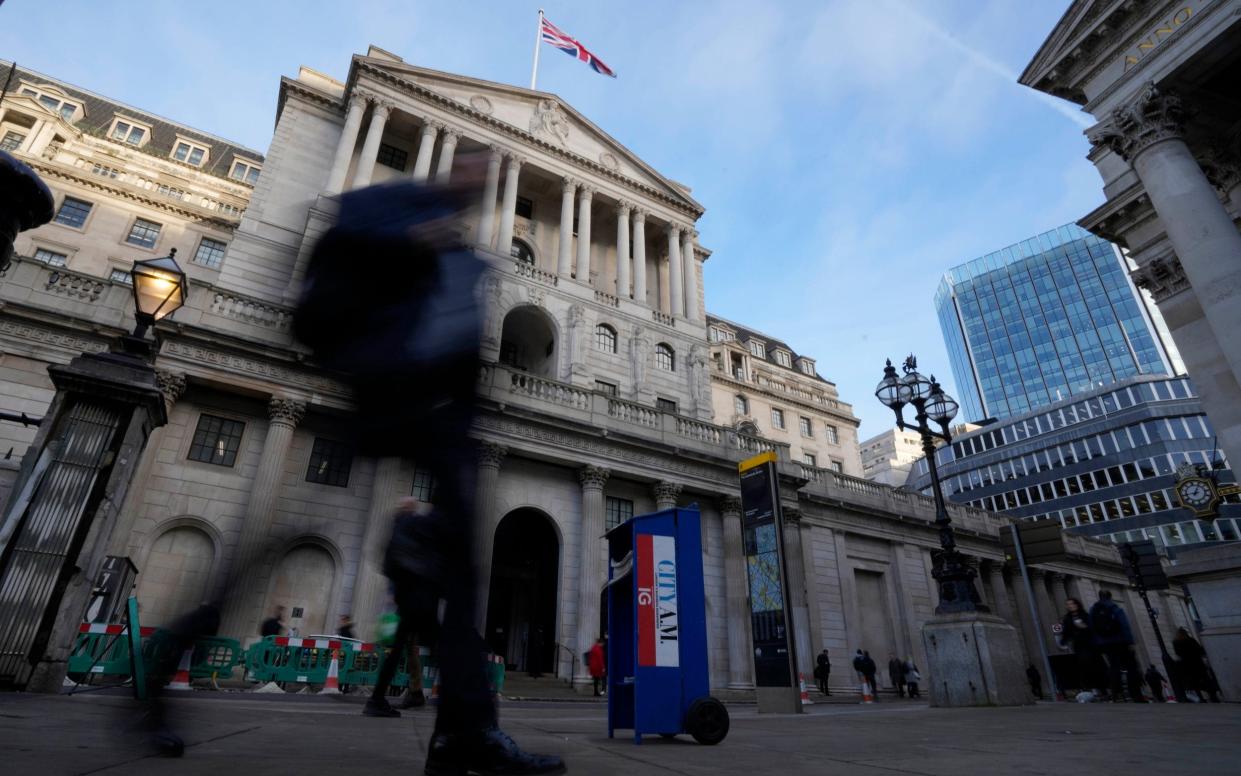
column 487, row 212
column 121, row 541
column 508, row 209
column 999, row 593
column 690, row 262
column 371, row 587
column 348, row 139
column 490, row 456
column 622, row 249
column 1047, row 608
column 794, row 561
column 1025, row 621
column 665, row 495
column 583, row 234
column 1149, row 133
column 591, row 572
column 250, row 566
column 448, row 148
column 426, row 146
column 370, row 146
column 736, row 591
column 676, row 292
column 564, row 256
column 639, row 255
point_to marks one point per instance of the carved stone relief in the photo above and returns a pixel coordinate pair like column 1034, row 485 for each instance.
column 549, row 122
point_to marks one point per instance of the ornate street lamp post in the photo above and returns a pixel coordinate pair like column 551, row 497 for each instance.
column 950, row 568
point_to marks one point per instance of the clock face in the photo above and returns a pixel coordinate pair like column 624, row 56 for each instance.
column 1194, row 493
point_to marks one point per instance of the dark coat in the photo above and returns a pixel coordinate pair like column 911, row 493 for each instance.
column 1122, row 637
column 896, row 671
column 1075, row 632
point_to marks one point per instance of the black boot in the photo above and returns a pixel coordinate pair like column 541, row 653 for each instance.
column 493, row 753
column 379, row 708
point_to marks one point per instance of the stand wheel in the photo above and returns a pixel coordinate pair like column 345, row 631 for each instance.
column 707, row 721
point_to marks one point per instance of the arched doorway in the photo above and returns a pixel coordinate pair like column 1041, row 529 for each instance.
column 528, row 341
column 302, row 584
column 174, row 578
column 521, row 605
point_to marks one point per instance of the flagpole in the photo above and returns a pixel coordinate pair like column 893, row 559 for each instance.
column 538, row 39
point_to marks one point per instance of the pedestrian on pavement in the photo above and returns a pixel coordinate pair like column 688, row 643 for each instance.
column 1036, row 681
column 896, row 673
column 344, row 628
column 1075, row 635
column 912, row 678
column 822, row 671
column 274, row 624
column 408, row 348
column 1112, row 636
column 1154, row 680
column 869, row 669
column 1192, row 664
column 598, row 667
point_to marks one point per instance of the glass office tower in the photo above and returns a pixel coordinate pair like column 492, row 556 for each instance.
column 1051, row 317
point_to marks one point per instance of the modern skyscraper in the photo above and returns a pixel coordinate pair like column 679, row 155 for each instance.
column 1042, row 320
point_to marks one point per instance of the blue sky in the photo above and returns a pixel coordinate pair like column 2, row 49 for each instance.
column 847, row 151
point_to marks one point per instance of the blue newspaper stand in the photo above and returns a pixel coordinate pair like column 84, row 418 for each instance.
column 657, row 625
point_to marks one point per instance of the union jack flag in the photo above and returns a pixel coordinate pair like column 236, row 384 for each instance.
column 553, row 35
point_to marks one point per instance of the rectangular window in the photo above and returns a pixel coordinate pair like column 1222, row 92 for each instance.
column 121, row 276
column 525, row 207
column 143, row 233
column 424, row 485
column 11, row 141
column 391, row 156
column 807, row 430
column 107, row 172
column 838, row 467
column 616, row 511
column 777, row 418
column 216, row 440
column 604, row 387
column 666, row 405
column 810, row 459
column 190, row 154
column 128, row 133
column 330, row 462
column 783, row 358
column 758, row 349
column 51, row 258
column 210, row 252
column 247, row 173
column 832, row 436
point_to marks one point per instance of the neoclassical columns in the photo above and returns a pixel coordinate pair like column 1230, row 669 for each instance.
column 1149, row 134
column 371, row 585
column 490, row 456
column 690, row 263
column 1047, row 608
column 564, row 256
column 508, row 209
column 676, row 298
column 795, row 562
column 348, row 139
column 736, row 590
column 665, row 495
column 370, row 146
column 623, row 210
column 448, row 148
column 487, row 212
column 591, row 572
column 250, row 572
column 583, row 234
column 426, row 145
column 639, row 255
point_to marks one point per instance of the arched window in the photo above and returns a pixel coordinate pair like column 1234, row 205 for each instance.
column 521, row 251
column 605, row 338
column 741, row 405
column 665, row 359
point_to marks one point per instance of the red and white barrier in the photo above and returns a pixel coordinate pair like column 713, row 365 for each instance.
column 867, row 693
column 801, row 686
column 181, row 680
column 113, row 630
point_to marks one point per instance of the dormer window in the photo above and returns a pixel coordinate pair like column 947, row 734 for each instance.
column 247, row 172
column 129, row 131
column 784, row 358
column 806, row 366
column 52, row 102
column 758, row 349
column 189, row 153
column 722, row 335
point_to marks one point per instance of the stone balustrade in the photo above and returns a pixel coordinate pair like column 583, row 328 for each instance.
column 549, row 390
column 527, row 270
column 662, row 318
column 602, row 297
column 75, row 285
column 250, row 310
column 632, row 412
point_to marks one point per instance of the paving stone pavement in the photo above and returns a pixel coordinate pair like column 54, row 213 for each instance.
column 229, row 734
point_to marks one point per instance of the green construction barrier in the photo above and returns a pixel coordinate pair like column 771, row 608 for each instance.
column 107, row 654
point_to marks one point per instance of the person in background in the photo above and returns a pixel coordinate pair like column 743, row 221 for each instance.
column 1075, row 636
column 869, row 669
column 1193, row 667
column 1154, row 680
column 1036, row 681
column 273, row 625
column 344, row 628
column 597, row 666
column 822, row 671
column 896, row 674
column 1112, row 636
column 912, row 678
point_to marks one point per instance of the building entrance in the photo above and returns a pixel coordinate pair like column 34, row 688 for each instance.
column 521, row 605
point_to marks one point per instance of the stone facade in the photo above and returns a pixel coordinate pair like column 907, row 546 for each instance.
column 886, row 457
column 1170, row 158
column 596, row 392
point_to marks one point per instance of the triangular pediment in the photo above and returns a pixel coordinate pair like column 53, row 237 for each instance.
column 543, row 117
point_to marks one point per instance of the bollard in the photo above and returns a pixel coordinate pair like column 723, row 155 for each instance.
column 181, row 679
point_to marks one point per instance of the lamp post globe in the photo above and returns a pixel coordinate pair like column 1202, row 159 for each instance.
column 941, row 407
column 918, row 387
column 890, row 392
column 160, row 288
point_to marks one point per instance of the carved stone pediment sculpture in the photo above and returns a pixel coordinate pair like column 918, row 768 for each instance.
column 549, row 122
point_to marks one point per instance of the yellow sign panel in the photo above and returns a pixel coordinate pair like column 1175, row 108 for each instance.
column 757, row 460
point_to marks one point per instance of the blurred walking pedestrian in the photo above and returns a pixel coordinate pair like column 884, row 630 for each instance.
column 1193, row 667
column 896, row 673
column 598, row 667
column 1036, row 681
column 273, row 625
column 822, row 671
column 1112, row 636
column 1154, row 680
column 912, row 678
column 1075, row 635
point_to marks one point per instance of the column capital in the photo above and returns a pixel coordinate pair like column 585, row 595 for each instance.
column 363, row 96
column 170, row 384
column 730, row 506
column 586, row 191
column 451, row 134
column 515, row 160
column 623, row 207
column 383, row 108
column 1222, row 165
column 674, row 229
column 1163, row 277
column 593, row 476
column 792, row 516
column 666, row 491
column 491, row 454
column 495, row 152
column 431, row 127
column 567, row 185
column 640, row 214
column 1151, row 116
column 284, row 410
